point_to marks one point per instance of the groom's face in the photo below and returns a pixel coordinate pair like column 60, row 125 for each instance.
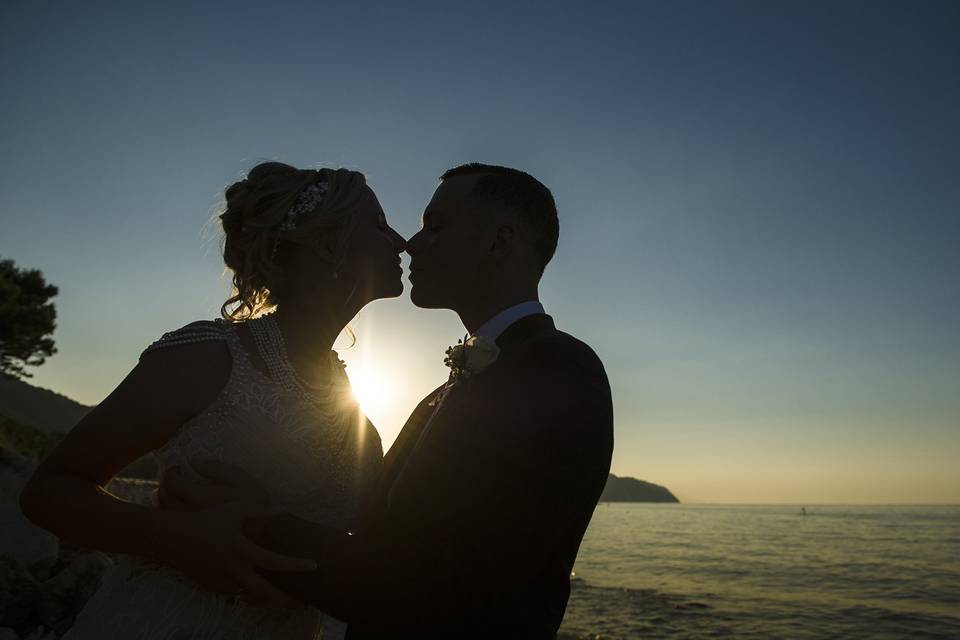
column 448, row 253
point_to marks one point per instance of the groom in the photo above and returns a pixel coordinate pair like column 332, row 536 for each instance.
column 489, row 488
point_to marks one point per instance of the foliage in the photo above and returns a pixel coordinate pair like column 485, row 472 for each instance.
column 27, row 319
column 26, row 440
column 35, row 444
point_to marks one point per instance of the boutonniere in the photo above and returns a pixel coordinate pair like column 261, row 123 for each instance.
column 467, row 358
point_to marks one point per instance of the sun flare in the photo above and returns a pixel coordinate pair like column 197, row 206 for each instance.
column 371, row 388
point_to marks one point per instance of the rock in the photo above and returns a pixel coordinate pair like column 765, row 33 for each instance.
column 13, row 463
column 63, row 596
column 15, row 470
column 18, row 595
column 42, row 633
column 19, row 537
column 6, row 633
column 134, row 490
column 28, row 543
column 68, row 553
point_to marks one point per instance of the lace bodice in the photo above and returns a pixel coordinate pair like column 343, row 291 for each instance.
column 309, row 447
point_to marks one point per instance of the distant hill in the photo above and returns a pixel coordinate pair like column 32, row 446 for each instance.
column 33, row 420
column 633, row 490
column 28, row 406
column 40, row 408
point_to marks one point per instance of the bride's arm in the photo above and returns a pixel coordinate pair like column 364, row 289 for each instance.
column 67, row 493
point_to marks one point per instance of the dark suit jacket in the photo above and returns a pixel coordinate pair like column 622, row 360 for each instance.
column 483, row 525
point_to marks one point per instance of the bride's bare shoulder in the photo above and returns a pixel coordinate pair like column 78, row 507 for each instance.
column 170, row 384
column 192, row 364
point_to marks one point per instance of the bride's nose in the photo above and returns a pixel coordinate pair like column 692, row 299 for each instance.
column 411, row 243
column 398, row 242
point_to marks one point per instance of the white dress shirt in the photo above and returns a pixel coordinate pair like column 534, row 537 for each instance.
column 493, row 327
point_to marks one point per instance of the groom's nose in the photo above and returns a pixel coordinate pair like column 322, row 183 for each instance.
column 412, row 243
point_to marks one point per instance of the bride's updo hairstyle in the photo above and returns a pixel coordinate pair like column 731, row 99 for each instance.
column 254, row 242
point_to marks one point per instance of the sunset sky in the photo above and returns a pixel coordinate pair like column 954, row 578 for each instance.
column 758, row 204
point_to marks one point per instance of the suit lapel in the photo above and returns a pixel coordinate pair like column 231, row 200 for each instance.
column 394, row 461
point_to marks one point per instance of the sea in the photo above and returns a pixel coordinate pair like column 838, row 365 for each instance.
column 716, row 571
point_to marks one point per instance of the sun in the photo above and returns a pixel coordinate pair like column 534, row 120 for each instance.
column 371, row 389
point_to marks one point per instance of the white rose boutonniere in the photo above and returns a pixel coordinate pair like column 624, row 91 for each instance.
column 466, row 359
column 469, row 358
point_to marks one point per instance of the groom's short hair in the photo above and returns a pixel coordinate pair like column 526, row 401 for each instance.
column 521, row 193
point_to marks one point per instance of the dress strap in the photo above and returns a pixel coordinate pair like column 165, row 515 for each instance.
column 269, row 347
column 200, row 331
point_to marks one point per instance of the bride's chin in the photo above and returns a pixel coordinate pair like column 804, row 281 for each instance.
column 393, row 290
column 397, row 286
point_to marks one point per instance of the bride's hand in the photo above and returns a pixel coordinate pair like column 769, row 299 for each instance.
column 220, row 484
column 212, row 548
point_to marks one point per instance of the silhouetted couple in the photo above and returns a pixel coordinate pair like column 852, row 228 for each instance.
column 276, row 502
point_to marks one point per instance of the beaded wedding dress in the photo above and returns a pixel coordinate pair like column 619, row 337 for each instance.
column 309, row 447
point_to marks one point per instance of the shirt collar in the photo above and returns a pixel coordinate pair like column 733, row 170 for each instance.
column 493, row 327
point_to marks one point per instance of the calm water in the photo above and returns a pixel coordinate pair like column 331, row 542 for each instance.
column 689, row 571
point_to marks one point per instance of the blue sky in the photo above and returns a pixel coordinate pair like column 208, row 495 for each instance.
column 758, row 203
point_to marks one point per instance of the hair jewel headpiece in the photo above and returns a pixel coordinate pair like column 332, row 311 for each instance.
column 306, row 202
column 311, row 196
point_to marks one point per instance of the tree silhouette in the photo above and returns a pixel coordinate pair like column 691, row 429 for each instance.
column 27, row 319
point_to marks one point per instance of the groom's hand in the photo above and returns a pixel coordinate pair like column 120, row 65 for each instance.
column 212, row 547
column 220, row 484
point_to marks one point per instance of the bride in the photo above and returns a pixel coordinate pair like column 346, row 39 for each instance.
column 262, row 391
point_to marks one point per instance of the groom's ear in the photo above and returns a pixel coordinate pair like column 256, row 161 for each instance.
column 501, row 245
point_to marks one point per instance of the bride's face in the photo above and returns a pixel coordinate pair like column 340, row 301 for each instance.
column 372, row 259
column 368, row 270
